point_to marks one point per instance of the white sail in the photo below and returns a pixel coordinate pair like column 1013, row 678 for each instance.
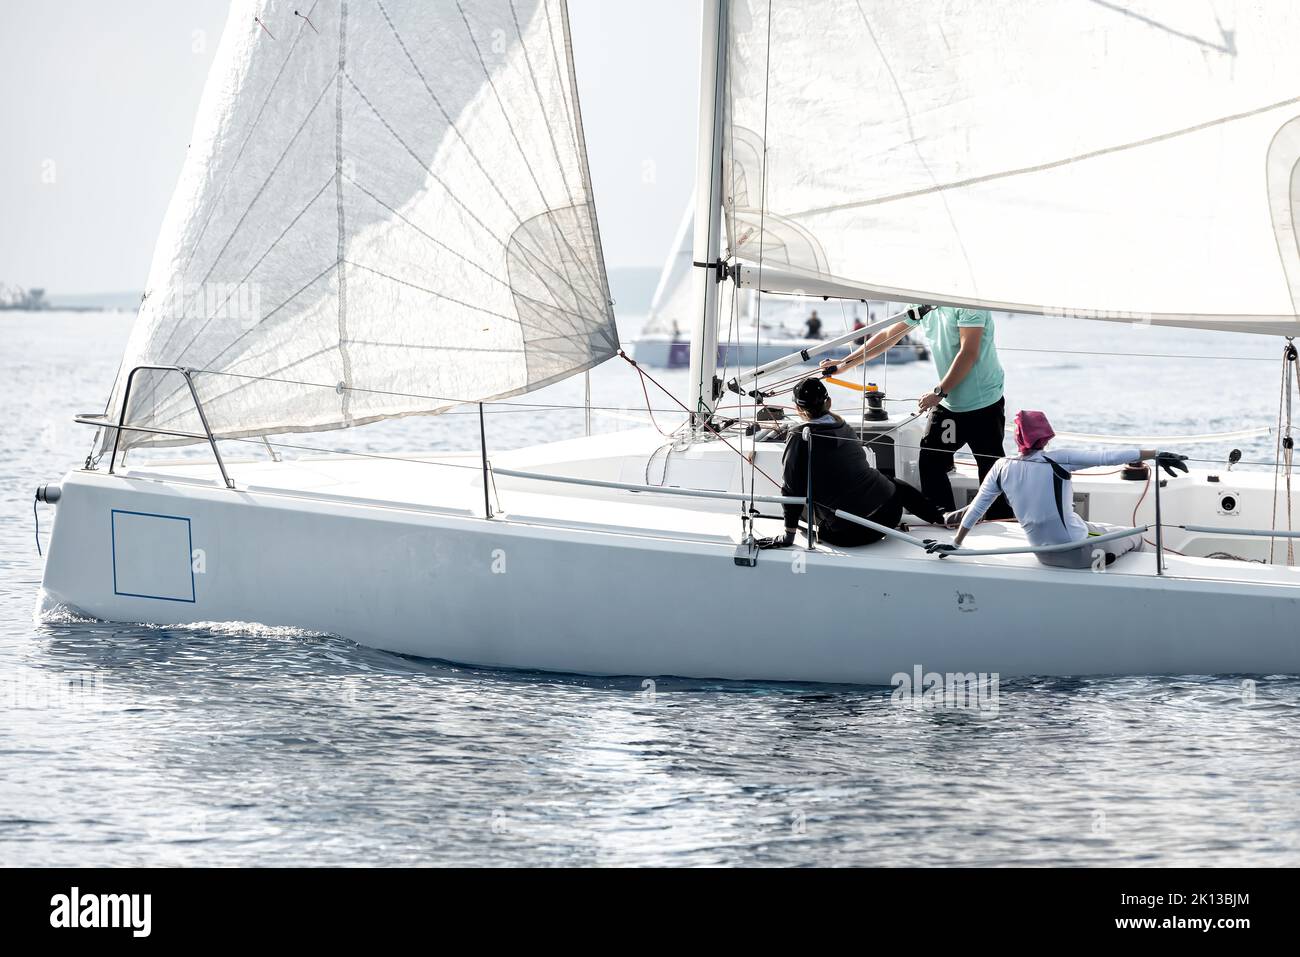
column 388, row 199
column 670, row 309
column 1107, row 158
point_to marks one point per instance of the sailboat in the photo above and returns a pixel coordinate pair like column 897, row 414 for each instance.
column 397, row 197
column 754, row 335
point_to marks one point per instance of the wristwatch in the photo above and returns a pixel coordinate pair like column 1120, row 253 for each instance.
column 938, row 390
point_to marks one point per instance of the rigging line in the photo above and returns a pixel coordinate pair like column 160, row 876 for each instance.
column 734, row 335
column 234, row 342
column 1052, row 164
column 560, row 241
column 645, row 392
column 353, row 452
column 1134, row 355
column 409, row 395
column 628, row 359
column 733, row 354
column 153, row 387
column 223, row 395
column 762, row 236
column 915, row 142
column 977, row 455
column 884, row 371
column 885, row 379
column 247, row 139
column 1277, row 455
column 733, row 341
column 733, row 317
column 270, row 351
column 1287, row 450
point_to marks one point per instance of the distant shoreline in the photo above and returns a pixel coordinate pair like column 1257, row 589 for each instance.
column 63, row 311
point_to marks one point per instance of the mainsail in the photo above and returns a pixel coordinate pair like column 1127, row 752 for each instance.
column 386, row 210
column 1107, row 158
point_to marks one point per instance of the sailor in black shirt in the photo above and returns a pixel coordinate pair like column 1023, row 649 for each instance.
column 841, row 478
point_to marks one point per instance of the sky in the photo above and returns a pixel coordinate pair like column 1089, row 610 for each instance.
column 97, row 101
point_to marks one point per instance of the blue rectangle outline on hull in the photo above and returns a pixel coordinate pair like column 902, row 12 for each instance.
column 189, row 532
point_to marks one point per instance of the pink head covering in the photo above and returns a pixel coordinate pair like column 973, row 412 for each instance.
column 1032, row 430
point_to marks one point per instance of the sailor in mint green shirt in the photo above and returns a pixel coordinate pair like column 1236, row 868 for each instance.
column 982, row 385
column 966, row 406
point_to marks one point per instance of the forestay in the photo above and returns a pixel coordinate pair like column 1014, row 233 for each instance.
column 387, row 199
column 1106, row 158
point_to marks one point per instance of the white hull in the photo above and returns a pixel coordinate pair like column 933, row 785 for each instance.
column 617, row 583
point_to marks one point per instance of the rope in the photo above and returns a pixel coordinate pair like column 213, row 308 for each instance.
column 1287, row 446
column 762, row 239
column 649, row 410
column 632, row 362
column 557, row 406
column 1283, row 406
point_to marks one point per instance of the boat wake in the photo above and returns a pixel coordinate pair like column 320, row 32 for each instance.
column 62, row 614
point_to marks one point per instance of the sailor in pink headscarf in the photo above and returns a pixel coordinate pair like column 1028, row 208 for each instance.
column 1033, row 431
column 1038, row 487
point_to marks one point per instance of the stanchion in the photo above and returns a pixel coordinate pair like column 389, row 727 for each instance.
column 807, row 437
column 1160, row 534
column 482, row 444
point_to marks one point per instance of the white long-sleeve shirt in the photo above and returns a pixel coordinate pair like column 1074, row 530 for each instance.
column 1027, row 483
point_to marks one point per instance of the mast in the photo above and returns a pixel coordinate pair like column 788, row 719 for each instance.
column 708, row 210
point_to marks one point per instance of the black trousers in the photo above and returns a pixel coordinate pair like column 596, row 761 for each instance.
column 979, row 429
column 906, row 498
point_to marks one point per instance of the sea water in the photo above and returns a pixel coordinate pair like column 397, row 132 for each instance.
column 246, row 745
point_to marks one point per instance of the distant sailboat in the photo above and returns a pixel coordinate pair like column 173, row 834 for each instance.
column 396, row 198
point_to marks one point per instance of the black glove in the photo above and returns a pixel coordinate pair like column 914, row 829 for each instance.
column 938, row 548
column 1169, row 461
column 777, row 541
